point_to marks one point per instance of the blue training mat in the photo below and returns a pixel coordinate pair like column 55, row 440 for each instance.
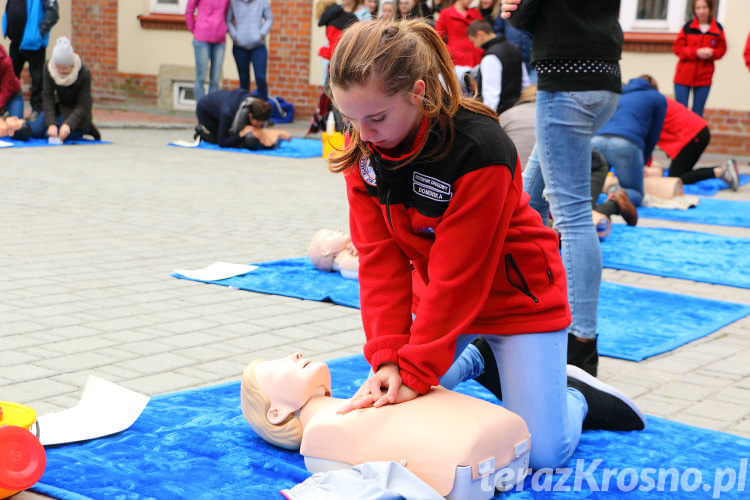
column 709, row 187
column 296, row 148
column 709, row 211
column 39, row 143
column 673, row 253
column 196, row 444
column 627, row 316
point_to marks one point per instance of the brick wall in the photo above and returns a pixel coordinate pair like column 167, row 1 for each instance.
column 95, row 39
column 730, row 132
column 288, row 56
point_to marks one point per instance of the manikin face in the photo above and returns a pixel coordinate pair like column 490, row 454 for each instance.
column 702, row 12
column 289, row 382
column 382, row 120
column 325, row 245
column 388, row 11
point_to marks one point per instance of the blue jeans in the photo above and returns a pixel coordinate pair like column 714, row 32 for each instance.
column 15, row 106
column 205, row 51
column 700, row 95
column 534, row 382
column 559, row 170
column 39, row 129
column 627, row 160
column 259, row 57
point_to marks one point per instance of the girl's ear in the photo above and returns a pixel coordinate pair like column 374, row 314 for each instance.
column 417, row 92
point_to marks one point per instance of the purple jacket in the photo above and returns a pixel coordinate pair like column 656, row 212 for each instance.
column 210, row 24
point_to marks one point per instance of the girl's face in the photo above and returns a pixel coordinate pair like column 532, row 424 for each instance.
column 463, row 3
column 404, row 6
column 372, row 5
column 702, row 12
column 486, row 4
column 383, row 120
column 388, row 11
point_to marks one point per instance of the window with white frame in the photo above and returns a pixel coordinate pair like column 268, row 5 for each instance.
column 660, row 16
column 168, row 6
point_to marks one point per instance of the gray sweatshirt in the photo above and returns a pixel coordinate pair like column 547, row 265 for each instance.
column 249, row 22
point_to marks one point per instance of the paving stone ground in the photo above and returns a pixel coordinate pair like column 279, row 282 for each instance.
column 90, row 235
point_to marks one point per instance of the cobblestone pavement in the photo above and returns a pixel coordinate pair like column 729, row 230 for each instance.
column 90, row 235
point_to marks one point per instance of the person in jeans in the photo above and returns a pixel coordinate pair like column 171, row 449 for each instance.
column 249, row 22
column 209, row 29
column 575, row 53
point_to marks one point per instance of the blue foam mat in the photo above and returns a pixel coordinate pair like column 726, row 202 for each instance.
column 673, row 253
column 709, row 187
column 626, row 318
column 709, row 211
column 296, row 148
column 196, row 444
column 39, row 143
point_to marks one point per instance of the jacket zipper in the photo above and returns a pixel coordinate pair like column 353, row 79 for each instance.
column 523, row 286
column 388, row 208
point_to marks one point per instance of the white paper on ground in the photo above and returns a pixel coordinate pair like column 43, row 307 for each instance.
column 6, row 144
column 55, row 141
column 217, row 271
column 105, row 408
column 187, row 144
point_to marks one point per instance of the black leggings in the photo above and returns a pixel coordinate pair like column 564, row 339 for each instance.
column 682, row 164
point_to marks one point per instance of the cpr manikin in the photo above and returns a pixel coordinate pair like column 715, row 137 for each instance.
column 461, row 446
column 332, row 250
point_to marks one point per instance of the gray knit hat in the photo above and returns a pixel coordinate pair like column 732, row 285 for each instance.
column 63, row 52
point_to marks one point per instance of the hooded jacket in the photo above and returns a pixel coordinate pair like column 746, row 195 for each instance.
column 639, row 116
column 210, row 24
column 335, row 19
column 41, row 16
column 691, row 70
column 249, row 22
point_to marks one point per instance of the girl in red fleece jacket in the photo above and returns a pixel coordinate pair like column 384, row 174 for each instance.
column 449, row 247
column 700, row 42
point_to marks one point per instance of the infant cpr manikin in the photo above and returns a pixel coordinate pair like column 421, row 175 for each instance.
column 461, row 446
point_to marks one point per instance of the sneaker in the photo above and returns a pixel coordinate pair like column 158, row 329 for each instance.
column 583, row 354
column 730, row 174
column 609, row 409
column 627, row 209
column 490, row 378
column 201, row 132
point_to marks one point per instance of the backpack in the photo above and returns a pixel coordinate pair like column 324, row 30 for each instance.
column 281, row 110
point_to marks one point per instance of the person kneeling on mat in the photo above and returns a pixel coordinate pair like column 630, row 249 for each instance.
column 236, row 119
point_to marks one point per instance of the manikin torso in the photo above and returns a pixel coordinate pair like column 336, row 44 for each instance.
column 430, row 435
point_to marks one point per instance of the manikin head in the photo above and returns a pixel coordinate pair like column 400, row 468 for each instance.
column 273, row 391
column 324, row 247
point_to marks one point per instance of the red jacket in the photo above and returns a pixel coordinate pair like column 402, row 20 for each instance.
column 455, row 242
column 681, row 125
column 747, row 51
column 9, row 84
column 451, row 25
column 335, row 19
column 692, row 71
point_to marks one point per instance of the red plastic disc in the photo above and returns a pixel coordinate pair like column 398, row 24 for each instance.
column 22, row 458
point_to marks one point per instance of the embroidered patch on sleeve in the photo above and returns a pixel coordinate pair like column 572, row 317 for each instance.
column 431, row 188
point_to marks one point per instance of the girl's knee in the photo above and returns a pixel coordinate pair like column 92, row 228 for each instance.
column 551, row 453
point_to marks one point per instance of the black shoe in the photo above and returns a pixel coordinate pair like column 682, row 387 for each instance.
column 583, row 354
column 609, row 409
column 490, row 378
column 94, row 132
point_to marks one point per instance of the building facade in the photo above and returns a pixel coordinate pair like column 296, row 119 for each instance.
column 140, row 52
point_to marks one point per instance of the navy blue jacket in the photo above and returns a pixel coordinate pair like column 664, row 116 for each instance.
column 216, row 112
column 639, row 116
